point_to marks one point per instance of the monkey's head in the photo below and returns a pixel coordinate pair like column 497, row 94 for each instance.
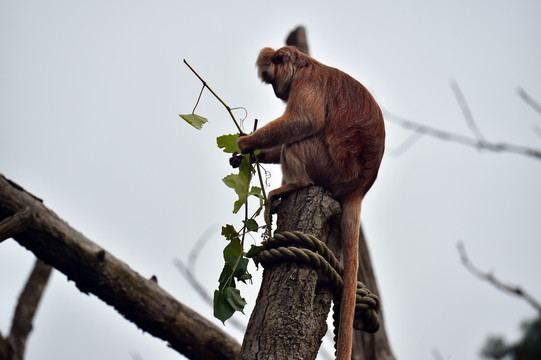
column 278, row 68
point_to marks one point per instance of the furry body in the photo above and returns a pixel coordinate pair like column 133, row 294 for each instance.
column 331, row 135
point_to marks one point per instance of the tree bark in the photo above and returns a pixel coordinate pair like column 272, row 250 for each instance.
column 14, row 345
column 289, row 318
column 96, row 271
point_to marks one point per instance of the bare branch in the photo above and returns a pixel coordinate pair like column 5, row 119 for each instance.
column 537, row 130
column 15, row 224
column 405, row 145
column 199, row 244
column 461, row 139
column 136, row 356
column 95, row 270
column 13, row 346
column 507, row 288
column 29, row 299
column 186, row 270
column 466, row 111
column 196, row 285
column 529, row 100
column 437, row 355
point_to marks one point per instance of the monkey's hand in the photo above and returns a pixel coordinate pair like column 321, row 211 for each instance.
column 274, row 203
column 236, row 158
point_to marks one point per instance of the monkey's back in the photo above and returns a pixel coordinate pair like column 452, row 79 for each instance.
column 353, row 136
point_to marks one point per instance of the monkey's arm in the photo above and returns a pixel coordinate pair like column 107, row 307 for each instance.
column 284, row 130
column 271, row 156
column 291, row 127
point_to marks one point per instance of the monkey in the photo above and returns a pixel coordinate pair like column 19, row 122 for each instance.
column 332, row 134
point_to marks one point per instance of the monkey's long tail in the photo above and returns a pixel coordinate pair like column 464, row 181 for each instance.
column 351, row 218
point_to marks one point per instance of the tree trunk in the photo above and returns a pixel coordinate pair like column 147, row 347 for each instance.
column 290, row 316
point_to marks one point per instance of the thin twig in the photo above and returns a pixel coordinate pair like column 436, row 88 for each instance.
column 405, row 145
column 198, row 98
column 199, row 244
column 507, row 288
column 466, row 111
column 462, row 139
column 216, row 96
column 537, row 130
column 529, row 100
column 195, row 284
column 437, row 355
column 136, row 356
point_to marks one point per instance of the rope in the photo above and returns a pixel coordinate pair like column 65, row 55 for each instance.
column 307, row 249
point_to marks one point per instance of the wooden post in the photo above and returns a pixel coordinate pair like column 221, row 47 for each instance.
column 290, row 316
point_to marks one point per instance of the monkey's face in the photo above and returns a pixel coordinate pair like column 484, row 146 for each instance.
column 278, row 69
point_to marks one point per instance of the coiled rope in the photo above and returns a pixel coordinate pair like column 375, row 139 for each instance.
column 307, row 249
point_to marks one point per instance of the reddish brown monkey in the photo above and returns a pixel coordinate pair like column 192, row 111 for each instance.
column 332, row 135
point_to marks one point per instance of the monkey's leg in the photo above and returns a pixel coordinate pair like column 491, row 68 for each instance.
column 276, row 194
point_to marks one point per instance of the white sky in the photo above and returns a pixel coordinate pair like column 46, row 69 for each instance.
column 89, row 97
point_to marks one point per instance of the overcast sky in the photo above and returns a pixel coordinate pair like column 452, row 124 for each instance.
column 89, row 99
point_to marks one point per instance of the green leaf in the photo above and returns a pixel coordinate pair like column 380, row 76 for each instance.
column 235, row 267
column 251, row 225
column 244, row 277
column 238, row 204
column 222, row 308
column 254, row 250
column 241, row 271
column 226, row 302
column 226, row 275
column 234, row 248
column 237, row 182
column 240, row 183
column 229, row 232
column 228, row 143
column 234, row 299
column 245, row 167
column 256, row 191
column 193, row 119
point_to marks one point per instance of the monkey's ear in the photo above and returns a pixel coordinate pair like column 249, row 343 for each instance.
column 277, row 59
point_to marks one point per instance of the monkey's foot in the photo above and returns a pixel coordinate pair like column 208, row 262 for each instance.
column 274, row 204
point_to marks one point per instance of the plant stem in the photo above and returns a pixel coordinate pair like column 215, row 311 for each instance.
column 216, row 96
column 266, row 213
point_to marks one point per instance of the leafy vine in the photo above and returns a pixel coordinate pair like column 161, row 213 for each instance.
column 227, row 298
